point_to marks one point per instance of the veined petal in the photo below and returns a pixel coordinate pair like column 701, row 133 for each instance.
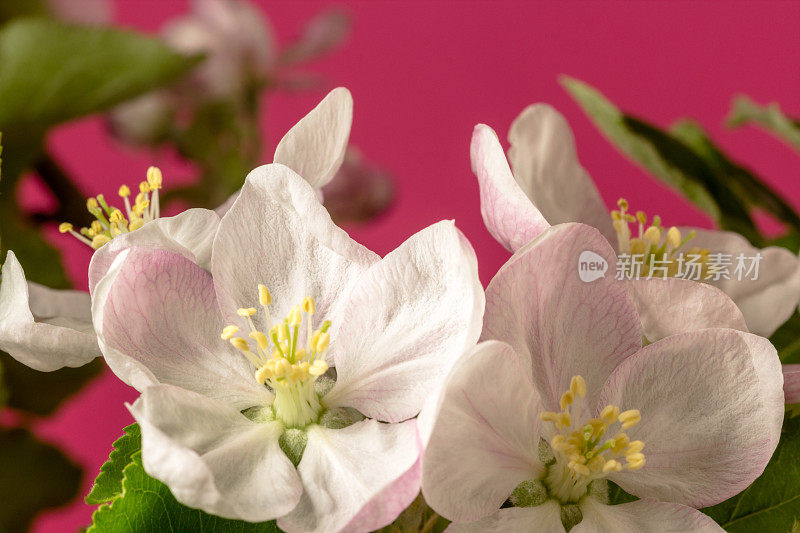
column 545, row 518
column 408, row 319
column 485, row 439
column 643, row 516
column 278, row 234
column 545, row 164
column 509, row 215
column 43, row 328
column 344, row 469
column 157, row 317
column 711, row 405
column 315, row 146
column 213, row 458
column 190, row 233
column 766, row 302
column 791, row 383
column 565, row 327
column 672, row 305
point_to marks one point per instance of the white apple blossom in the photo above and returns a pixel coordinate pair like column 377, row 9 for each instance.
column 549, row 186
column 241, row 415
column 563, row 396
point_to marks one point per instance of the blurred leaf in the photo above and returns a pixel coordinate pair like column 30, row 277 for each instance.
column 665, row 157
column 772, row 502
column 769, row 117
column 27, row 8
column 52, row 72
column 3, row 388
column 40, row 261
column 108, row 484
column 750, row 189
column 40, row 393
column 147, row 505
column 33, row 476
column 790, row 241
column 786, row 339
column 418, row 516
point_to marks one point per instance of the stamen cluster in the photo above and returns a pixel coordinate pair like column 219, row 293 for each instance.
column 110, row 221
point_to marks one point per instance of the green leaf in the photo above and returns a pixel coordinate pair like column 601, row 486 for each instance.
column 749, row 188
column 666, row 157
column 147, row 505
column 52, row 72
column 40, row 261
column 786, row 339
column 768, row 117
column 108, row 484
column 41, row 393
column 33, row 476
column 772, row 502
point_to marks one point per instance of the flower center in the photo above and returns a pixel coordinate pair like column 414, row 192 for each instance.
column 582, row 452
column 111, row 221
column 655, row 251
column 283, row 362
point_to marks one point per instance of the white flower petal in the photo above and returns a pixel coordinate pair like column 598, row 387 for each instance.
column 673, row 305
column 545, row 518
column 545, row 164
column 643, row 516
column 791, row 383
column 407, row 320
column 213, row 458
column 47, row 332
column 485, row 440
column 344, row 469
column 711, row 403
column 767, row 302
column 509, row 215
column 315, row 146
column 565, row 327
column 277, row 233
column 190, row 233
column 157, row 318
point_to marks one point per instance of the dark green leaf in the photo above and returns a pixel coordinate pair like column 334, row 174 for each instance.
column 33, row 476
column 147, row 505
column 769, row 117
column 786, row 339
column 617, row 496
column 772, row 502
column 40, row 393
column 28, row 8
column 666, row 157
column 52, row 72
column 3, row 388
column 108, row 484
column 40, row 261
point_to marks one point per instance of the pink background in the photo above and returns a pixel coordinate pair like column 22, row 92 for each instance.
column 424, row 73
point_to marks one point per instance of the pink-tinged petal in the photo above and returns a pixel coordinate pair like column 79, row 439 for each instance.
column 791, row 383
column 387, row 505
column 545, row 164
column 564, row 326
column 278, row 234
column 545, row 518
column 711, row 403
column 344, row 469
column 190, row 234
column 157, row 318
column 43, row 328
column 509, row 215
column 485, row 439
column 643, row 516
column 670, row 306
column 408, row 319
column 766, row 302
column 315, row 146
column 213, row 458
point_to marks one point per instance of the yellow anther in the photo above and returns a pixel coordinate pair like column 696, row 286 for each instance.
column 566, row 399
column 323, row 342
column 318, row 367
column 548, row 416
column 564, row 420
column 264, row 297
column 609, row 414
column 612, row 466
column 91, row 204
column 283, row 331
column 263, row 374
column 578, row 386
column 228, row 332
column 283, row 368
column 246, row 311
column 135, row 224
column 154, row 177
column 634, row 457
column 638, row 247
column 124, row 191
column 620, row 443
column 673, row 237
column 629, row 218
column 630, row 418
column 240, row 344
column 615, row 215
column 295, row 316
column 144, row 188
column 623, row 204
column 634, row 447
column 261, row 339
column 308, row 305
column 64, row 227
column 652, row 235
column 641, row 217
column 100, row 240
column 116, row 216
column 581, row 469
